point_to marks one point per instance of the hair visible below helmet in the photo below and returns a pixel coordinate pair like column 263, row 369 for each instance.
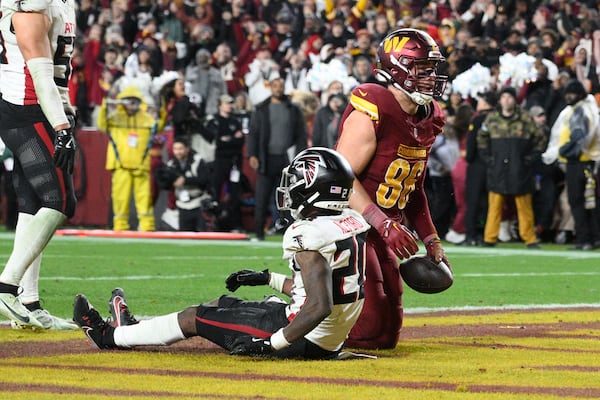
column 317, row 180
column 408, row 59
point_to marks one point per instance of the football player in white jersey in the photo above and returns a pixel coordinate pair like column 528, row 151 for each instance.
column 37, row 39
column 325, row 248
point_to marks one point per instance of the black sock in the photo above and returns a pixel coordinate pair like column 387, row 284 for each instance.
column 108, row 338
column 6, row 288
column 33, row 306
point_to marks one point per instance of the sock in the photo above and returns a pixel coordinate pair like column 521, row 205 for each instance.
column 161, row 331
column 29, row 282
column 6, row 288
column 33, row 306
column 32, row 235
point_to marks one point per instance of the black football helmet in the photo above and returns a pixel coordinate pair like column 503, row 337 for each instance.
column 408, row 59
column 318, row 180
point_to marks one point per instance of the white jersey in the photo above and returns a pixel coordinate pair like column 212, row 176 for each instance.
column 341, row 240
column 16, row 84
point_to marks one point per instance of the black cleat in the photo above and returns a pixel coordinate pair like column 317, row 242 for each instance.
column 117, row 306
column 98, row 331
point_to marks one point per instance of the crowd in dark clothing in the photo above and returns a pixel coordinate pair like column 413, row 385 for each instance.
column 315, row 47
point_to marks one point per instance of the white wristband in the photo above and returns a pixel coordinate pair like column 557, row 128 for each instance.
column 276, row 281
column 278, row 341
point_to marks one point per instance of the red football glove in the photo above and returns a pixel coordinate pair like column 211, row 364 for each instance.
column 435, row 251
column 396, row 236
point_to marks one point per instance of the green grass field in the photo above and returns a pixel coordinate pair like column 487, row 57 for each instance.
column 509, row 353
column 161, row 276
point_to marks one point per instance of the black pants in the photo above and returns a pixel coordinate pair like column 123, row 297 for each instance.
column 476, row 199
column 233, row 317
column 232, row 200
column 586, row 221
column 440, row 194
column 265, row 191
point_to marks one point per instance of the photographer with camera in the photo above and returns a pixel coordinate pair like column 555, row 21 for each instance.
column 189, row 175
column 131, row 132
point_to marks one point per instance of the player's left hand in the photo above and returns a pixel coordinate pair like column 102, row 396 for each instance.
column 251, row 346
column 435, row 251
column 64, row 147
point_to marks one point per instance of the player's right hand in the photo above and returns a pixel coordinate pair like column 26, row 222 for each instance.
column 399, row 238
column 247, row 277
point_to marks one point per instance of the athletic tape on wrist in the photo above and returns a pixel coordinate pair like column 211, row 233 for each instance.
column 276, row 281
column 278, row 340
column 42, row 74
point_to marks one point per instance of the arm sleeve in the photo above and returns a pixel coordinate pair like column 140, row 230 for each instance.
column 51, row 102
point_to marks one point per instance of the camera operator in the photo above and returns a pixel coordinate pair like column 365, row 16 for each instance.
column 189, row 175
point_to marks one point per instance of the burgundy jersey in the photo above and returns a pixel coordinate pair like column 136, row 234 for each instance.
column 403, row 143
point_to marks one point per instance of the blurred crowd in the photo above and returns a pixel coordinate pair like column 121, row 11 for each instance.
column 228, row 52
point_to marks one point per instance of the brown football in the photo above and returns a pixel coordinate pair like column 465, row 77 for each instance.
column 420, row 273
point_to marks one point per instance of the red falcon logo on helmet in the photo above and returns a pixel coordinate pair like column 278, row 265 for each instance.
column 309, row 165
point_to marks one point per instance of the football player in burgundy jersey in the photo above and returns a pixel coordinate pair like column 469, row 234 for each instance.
column 37, row 40
column 386, row 133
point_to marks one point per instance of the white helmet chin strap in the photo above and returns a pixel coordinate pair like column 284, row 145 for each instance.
column 419, row 98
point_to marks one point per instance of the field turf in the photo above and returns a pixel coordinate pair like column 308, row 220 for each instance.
column 516, row 324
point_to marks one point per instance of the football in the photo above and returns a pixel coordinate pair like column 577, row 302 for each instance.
column 421, row 274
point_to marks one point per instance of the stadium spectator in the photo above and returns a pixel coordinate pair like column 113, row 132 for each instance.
column 277, row 128
column 206, row 81
column 546, row 188
column 262, row 70
column 460, row 124
column 327, row 121
column 443, row 155
column 511, row 144
column 226, row 183
column 575, row 142
column 476, row 181
column 295, row 73
column 322, row 317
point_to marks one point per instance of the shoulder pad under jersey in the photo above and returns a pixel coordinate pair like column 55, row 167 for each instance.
column 305, row 235
column 369, row 99
column 27, row 5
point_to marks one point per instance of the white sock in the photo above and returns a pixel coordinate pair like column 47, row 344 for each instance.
column 29, row 282
column 161, row 331
column 30, row 279
column 32, row 237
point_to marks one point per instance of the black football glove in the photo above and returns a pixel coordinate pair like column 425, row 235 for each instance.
column 251, row 346
column 247, row 277
column 64, row 147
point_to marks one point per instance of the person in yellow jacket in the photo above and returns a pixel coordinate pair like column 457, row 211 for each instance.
column 130, row 128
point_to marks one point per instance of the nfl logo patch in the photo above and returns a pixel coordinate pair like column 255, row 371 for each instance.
column 335, row 190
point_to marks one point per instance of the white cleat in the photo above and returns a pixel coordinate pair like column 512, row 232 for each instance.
column 48, row 321
column 12, row 308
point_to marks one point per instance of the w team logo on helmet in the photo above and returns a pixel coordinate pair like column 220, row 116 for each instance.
column 309, row 166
